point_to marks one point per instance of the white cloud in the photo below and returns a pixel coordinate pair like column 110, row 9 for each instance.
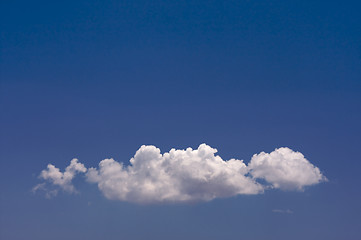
column 285, row 169
column 62, row 179
column 188, row 175
column 175, row 176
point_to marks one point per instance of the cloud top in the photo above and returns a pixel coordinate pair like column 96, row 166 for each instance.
column 189, row 175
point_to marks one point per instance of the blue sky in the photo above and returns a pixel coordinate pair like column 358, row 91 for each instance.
column 94, row 80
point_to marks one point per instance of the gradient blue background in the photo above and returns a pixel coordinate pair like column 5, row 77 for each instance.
column 98, row 79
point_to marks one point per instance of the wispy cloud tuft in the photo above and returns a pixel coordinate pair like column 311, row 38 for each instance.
column 287, row 211
column 62, row 179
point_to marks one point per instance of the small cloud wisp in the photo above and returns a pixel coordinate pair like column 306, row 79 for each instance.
column 286, row 211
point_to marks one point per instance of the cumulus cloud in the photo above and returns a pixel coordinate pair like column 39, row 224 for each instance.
column 285, row 169
column 189, row 175
column 175, row 176
column 61, row 179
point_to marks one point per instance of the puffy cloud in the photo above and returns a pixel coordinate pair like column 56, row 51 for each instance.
column 188, row 175
column 175, row 176
column 285, row 169
column 61, row 179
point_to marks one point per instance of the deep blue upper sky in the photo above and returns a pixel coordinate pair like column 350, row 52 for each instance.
column 95, row 79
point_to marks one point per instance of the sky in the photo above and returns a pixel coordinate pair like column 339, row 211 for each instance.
column 260, row 100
